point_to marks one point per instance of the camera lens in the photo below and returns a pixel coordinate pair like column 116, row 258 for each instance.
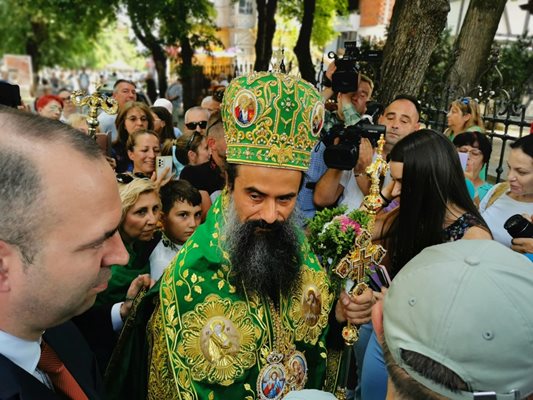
column 519, row 227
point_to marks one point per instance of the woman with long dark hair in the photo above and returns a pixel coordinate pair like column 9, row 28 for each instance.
column 163, row 124
column 435, row 207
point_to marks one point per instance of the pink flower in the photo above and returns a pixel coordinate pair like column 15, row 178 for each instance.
column 346, row 222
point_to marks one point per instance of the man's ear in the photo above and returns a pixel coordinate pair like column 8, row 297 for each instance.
column 377, row 320
column 8, row 256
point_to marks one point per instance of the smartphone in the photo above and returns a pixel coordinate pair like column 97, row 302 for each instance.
column 463, row 157
column 161, row 163
column 379, row 278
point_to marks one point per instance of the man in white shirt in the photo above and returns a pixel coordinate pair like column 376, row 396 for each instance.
column 401, row 117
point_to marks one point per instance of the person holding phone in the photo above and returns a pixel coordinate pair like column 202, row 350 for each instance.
column 512, row 197
column 478, row 148
column 435, row 208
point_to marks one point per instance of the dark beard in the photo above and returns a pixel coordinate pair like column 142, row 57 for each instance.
column 265, row 258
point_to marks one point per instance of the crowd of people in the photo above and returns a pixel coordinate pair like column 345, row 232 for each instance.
column 197, row 281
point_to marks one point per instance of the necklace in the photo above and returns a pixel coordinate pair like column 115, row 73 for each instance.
column 286, row 367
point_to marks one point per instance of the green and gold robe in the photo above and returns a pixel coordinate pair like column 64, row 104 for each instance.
column 206, row 341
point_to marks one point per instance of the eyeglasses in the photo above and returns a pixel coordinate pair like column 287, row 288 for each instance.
column 54, row 108
column 472, row 152
column 192, row 125
column 191, row 140
column 128, row 178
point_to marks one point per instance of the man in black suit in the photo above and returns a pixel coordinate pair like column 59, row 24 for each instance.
column 59, row 214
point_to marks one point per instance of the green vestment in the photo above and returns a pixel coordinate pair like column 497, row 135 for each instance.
column 206, row 341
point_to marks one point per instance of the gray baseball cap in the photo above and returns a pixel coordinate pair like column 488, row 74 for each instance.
column 468, row 306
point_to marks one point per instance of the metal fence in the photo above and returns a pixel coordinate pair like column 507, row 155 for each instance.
column 505, row 121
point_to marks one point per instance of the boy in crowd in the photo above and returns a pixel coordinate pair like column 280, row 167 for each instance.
column 180, row 216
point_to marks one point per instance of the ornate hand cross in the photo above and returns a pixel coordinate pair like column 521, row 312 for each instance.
column 94, row 102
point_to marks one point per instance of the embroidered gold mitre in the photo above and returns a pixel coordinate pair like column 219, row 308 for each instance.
column 271, row 119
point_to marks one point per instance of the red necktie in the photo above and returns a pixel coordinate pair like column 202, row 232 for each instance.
column 61, row 378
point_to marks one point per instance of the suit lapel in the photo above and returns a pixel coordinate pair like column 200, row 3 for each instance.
column 72, row 349
column 17, row 383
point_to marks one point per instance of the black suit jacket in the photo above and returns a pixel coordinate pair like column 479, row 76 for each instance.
column 66, row 340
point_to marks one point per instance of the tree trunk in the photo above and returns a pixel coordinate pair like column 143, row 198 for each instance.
column 186, row 73
column 414, row 30
column 160, row 61
column 472, row 46
column 302, row 48
column 33, row 43
column 266, row 27
column 158, row 53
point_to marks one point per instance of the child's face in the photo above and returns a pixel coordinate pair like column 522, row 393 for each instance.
column 181, row 221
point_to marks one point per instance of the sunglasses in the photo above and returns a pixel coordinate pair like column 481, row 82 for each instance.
column 466, row 102
column 128, row 178
column 192, row 125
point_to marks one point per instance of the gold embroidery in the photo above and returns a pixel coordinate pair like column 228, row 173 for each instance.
column 218, row 340
column 310, row 305
column 160, row 381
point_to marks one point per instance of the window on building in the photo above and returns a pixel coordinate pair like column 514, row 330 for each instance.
column 245, row 6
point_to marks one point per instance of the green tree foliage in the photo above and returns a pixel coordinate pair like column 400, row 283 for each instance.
column 53, row 32
column 516, row 62
column 162, row 23
column 316, row 18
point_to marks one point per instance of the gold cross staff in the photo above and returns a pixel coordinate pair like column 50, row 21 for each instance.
column 94, row 101
column 355, row 266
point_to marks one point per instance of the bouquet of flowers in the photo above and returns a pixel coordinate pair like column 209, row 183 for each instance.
column 332, row 233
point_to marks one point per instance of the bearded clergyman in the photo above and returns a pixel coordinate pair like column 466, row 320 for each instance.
column 244, row 310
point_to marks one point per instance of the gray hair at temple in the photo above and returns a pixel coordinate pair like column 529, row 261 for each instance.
column 23, row 213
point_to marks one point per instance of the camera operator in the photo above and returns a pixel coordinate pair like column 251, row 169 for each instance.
column 401, row 117
column 350, row 107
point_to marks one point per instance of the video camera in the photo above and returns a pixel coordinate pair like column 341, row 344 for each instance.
column 344, row 79
column 345, row 154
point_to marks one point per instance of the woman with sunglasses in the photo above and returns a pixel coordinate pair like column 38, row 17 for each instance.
column 192, row 149
column 479, row 149
column 464, row 115
column 134, row 116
